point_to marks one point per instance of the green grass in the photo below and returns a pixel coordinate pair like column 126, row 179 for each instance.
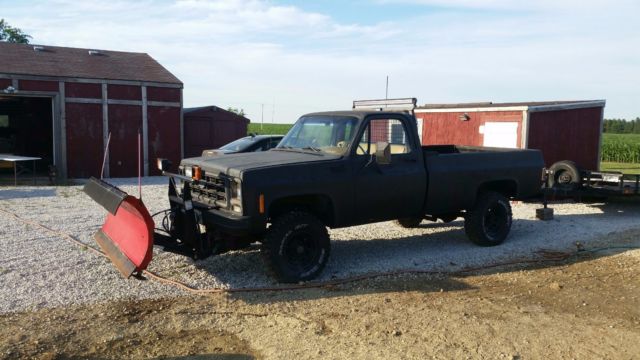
column 621, row 148
column 624, row 137
column 268, row 129
column 625, row 168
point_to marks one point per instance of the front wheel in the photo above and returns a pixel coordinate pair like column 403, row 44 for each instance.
column 489, row 221
column 297, row 247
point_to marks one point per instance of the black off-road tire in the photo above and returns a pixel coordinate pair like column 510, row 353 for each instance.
column 489, row 221
column 409, row 223
column 566, row 175
column 296, row 247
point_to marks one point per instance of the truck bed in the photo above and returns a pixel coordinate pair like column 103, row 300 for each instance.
column 455, row 173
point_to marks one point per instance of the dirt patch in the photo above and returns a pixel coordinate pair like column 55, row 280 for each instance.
column 132, row 330
column 588, row 307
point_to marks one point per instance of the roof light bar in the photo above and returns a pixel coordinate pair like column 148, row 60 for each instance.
column 381, row 104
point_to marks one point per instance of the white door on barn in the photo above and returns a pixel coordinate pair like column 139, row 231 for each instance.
column 501, row 134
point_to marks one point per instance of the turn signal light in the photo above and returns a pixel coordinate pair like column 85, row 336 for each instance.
column 261, row 204
column 197, row 173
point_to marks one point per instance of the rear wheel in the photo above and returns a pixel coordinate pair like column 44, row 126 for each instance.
column 489, row 221
column 566, row 175
column 409, row 223
column 297, row 247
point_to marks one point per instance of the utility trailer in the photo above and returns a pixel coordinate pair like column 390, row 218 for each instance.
column 564, row 179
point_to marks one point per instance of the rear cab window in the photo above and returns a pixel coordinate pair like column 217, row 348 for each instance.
column 392, row 131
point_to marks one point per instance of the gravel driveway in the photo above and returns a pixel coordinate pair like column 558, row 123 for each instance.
column 41, row 270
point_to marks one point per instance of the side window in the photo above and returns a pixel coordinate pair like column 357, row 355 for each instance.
column 388, row 130
column 264, row 145
column 273, row 143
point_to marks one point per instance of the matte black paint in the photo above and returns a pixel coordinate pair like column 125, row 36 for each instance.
column 431, row 180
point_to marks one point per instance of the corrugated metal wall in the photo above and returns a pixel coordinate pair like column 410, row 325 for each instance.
column 124, row 123
column 84, row 140
column 567, row 135
column 164, row 124
column 82, row 106
column 561, row 135
column 210, row 128
column 447, row 128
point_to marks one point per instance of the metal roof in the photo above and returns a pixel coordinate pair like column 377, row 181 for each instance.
column 205, row 110
column 65, row 62
column 527, row 104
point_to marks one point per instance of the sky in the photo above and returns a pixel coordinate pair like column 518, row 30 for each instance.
column 277, row 60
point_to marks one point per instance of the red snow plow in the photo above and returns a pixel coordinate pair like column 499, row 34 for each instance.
column 127, row 234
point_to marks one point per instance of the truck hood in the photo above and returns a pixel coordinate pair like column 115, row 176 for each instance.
column 236, row 164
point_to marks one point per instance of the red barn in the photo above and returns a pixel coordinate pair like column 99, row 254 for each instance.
column 61, row 104
column 562, row 130
column 210, row 127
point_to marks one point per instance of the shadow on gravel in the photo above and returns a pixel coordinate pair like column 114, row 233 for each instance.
column 433, row 247
column 443, row 282
column 379, row 285
column 26, row 193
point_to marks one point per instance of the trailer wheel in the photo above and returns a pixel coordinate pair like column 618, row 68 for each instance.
column 489, row 221
column 297, row 247
column 566, row 175
column 409, row 223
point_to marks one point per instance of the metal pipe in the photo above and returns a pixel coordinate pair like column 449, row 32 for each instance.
column 139, row 166
column 106, row 153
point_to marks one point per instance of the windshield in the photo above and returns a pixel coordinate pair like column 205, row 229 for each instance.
column 328, row 134
column 239, row 145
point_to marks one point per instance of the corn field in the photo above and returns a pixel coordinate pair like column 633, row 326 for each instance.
column 623, row 148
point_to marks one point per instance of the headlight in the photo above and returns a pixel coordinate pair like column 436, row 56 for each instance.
column 188, row 171
column 236, row 195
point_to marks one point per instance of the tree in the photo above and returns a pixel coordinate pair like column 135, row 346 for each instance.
column 237, row 111
column 9, row 33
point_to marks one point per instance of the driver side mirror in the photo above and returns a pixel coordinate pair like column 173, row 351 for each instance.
column 383, row 153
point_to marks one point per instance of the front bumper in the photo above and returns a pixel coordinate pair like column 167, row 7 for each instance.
column 224, row 221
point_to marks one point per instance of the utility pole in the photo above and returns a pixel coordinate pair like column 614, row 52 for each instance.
column 386, row 91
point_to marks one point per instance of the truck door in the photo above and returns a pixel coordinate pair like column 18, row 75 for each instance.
column 389, row 191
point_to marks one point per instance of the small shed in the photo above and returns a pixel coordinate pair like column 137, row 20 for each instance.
column 61, row 104
column 562, row 130
column 210, row 127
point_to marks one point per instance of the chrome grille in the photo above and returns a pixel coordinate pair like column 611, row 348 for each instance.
column 211, row 190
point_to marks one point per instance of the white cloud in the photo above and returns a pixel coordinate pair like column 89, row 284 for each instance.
column 244, row 53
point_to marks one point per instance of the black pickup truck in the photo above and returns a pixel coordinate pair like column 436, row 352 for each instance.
column 339, row 169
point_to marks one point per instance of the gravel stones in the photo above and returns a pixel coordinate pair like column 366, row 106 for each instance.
column 38, row 269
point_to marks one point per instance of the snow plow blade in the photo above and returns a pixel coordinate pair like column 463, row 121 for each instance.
column 126, row 236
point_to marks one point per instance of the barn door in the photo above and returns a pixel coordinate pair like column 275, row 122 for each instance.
column 501, row 134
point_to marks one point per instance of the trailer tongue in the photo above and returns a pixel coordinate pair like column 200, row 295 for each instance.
column 127, row 234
